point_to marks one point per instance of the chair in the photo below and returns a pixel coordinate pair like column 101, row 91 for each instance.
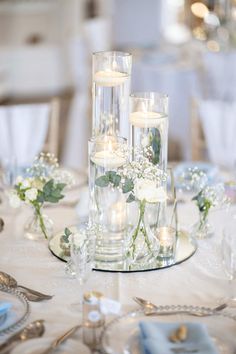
column 58, row 108
column 198, row 143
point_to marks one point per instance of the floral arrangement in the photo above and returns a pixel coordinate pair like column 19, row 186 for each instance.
column 207, row 197
column 210, row 197
column 79, row 239
column 42, row 184
column 142, row 181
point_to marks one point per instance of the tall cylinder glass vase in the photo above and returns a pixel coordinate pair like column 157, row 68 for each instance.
column 149, row 133
column 111, row 87
column 149, row 125
column 107, row 202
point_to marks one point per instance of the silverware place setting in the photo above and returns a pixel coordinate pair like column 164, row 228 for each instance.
column 153, row 310
column 33, row 330
column 61, row 339
column 30, row 294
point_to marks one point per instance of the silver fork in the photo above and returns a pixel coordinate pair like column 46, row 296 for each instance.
column 213, row 312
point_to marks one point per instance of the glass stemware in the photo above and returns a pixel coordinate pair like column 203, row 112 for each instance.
column 228, row 249
column 82, row 249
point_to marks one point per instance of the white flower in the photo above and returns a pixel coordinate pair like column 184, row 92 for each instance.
column 31, row 194
column 25, row 183
column 19, row 179
column 145, row 189
column 78, row 239
column 14, row 200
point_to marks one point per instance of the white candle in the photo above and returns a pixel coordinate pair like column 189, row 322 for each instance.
column 108, row 159
column 147, row 119
column 110, row 78
column 117, row 217
column 167, row 238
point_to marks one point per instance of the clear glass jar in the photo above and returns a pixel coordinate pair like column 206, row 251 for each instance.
column 93, row 319
column 38, row 227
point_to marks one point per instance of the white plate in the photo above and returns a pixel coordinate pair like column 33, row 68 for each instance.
column 36, row 346
column 121, row 336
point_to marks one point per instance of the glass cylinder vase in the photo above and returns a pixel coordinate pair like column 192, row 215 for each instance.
column 108, row 211
column 149, row 126
column 111, row 87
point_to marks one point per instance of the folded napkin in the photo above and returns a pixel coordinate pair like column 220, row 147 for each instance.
column 154, row 338
column 4, row 307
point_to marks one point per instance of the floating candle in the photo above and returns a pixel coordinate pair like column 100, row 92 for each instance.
column 110, row 78
column 108, row 159
column 147, row 119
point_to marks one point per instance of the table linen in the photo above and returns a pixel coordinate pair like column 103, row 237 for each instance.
column 197, row 281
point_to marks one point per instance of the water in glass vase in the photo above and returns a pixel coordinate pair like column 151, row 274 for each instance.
column 108, row 212
column 110, row 103
column 149, row 131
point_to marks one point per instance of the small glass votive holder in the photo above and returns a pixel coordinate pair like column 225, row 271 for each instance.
column 167, row 239
column 93, row 319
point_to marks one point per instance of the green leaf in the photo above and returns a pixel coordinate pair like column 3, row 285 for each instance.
column 48, row 187
column 110, row 175
column 128, row 185
column 65, row 238
column 102, row 181
column 130, row 198
column 67, row 232
column 40, row 197
column 60, row 186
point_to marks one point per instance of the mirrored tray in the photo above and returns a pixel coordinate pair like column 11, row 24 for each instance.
column 185, row 248
column 121, row 336
column 18, row 312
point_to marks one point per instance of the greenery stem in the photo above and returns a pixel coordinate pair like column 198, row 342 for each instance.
column 142, row 205
column 41, row 221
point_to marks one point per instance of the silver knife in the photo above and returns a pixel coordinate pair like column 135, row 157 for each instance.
column 62, row 338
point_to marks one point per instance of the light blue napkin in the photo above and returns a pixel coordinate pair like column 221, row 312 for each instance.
column 4, row 308
column 154, row 338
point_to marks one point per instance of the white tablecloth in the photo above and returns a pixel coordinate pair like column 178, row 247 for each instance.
column 197, row 281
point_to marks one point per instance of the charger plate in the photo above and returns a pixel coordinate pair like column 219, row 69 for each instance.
column 121, row 336
column 19, row 311
column 185, row 248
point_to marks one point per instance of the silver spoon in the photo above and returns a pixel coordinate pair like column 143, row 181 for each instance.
column 32, row 295
column 33, row 330
column 152, row 309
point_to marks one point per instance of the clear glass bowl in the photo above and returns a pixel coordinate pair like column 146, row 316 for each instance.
column 18, row 312
column 121, row 336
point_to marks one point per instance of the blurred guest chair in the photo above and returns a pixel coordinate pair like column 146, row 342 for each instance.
column 198, row 143
column 26, row 129
column 214, row 113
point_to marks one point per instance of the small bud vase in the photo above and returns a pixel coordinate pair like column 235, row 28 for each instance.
column 38, row 227
column 202, row 229
column 141, row 244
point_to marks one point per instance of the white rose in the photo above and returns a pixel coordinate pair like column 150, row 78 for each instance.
column 14, row 200
column 78, row 239
column 145, row 189
column 25, row 184
column 31, row 194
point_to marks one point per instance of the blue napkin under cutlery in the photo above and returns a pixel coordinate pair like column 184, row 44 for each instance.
column 154, row 339
column 4, row 308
